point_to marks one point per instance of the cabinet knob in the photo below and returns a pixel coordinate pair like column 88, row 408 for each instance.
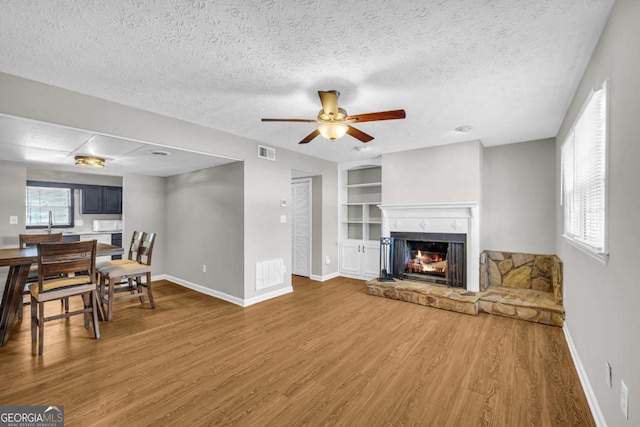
column 358, row 248
column 362, row 248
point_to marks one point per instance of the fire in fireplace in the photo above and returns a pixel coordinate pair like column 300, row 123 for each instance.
column 430, row 257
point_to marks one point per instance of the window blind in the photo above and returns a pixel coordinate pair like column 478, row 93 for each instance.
column 583, row 156
column 41, row 200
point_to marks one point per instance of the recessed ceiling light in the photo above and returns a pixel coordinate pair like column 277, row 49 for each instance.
column 159, row 153
column 463, row 128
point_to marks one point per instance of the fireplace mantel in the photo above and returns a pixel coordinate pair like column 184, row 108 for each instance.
column 455, row 217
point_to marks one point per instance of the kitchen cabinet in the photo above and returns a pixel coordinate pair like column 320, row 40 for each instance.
column 99, row 199
column 71, row 238
column 116, row 240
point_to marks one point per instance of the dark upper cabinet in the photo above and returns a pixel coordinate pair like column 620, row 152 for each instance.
column 112, row 200
column 97, row 199
column 91, row 199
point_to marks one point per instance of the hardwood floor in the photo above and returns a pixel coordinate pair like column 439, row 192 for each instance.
column 326, row 354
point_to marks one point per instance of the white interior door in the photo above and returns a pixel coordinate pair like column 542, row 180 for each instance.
column 301, row 226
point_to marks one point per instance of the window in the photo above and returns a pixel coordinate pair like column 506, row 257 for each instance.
column 44, row 199
column 584, row 177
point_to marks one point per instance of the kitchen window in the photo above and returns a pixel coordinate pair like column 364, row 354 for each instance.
column 584, row 178
column 43, row 198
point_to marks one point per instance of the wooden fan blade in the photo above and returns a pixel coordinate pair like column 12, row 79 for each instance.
column 329, row 100
column 309, row 137
column 372, row 117
column 358, row 134
column 291, row 120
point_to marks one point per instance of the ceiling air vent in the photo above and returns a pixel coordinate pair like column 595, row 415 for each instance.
column 266, row 153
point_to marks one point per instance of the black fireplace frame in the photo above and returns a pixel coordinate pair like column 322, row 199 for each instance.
column 456, row 256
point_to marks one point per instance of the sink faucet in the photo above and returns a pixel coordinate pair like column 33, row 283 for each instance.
column 50, row 222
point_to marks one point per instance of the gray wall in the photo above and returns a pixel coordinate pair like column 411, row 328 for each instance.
column 12, row 187
column 13, row 179
column 204, row 217
column 447, row 173
column 602, row 300
column 43, row 173
column 143, row 209
column 267, row 181
column 518, row 197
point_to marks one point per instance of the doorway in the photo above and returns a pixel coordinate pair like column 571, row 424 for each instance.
column 301, row 227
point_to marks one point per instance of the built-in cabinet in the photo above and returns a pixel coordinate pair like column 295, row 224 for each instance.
column 100, row 199
column 360, row 220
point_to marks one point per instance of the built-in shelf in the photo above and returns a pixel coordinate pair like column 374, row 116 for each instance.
column 368, row 184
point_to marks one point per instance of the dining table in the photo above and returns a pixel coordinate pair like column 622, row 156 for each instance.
column 19, row 262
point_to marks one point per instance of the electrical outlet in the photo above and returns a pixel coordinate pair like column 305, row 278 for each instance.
column 204, row 268
column 283, row 218
column 13, row 220
column 624, row 399
column 607, row 374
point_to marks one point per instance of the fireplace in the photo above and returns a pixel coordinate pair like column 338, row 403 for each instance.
column 438, row 258
column 446, row 235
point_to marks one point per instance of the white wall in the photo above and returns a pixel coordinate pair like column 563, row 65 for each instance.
column 518, row 197
column 447, row 173
column 602, row 300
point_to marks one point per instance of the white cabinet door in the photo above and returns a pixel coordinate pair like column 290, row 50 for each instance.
column 360, row 259
column 350, row 256
column 370, row 259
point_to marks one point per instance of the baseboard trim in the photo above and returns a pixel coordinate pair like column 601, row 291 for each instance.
column 598, row 417
column 325, row 277
column 267, row 296
column 205, row 290
column 223, row 296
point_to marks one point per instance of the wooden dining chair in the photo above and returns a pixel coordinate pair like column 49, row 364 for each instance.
column 29, row 240
column 64, row 270
column 131, row 257
column 128, row 279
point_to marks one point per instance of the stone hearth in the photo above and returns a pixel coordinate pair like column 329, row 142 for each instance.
column 522, row 286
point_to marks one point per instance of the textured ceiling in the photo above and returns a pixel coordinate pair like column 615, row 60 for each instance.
column 507, row 68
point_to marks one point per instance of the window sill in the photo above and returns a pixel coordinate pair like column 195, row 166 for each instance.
column 603, row 257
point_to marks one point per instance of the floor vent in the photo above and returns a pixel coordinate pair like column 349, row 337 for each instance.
column 269, row 273
column 266, row 152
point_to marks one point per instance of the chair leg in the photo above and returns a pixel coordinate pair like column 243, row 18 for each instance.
column 149, row 293
column 40, row 329
column 34, row 319
column 101, row 293
column 21, row 309
column 94, row 310
column 112, row 281
column 86, row 302
column 66, row 305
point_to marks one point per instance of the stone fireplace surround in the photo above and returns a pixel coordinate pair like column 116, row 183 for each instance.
column 448, row 217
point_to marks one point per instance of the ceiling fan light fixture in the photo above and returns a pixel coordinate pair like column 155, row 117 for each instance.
column 333, row 131
column 91, row 161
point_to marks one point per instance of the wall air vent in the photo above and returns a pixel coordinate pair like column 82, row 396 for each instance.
column 266, row 152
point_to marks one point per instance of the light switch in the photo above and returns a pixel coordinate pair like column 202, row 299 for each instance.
column 13, row 219
column 283, row 219
column 283, row 203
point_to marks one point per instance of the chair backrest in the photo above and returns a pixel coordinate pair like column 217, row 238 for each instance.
column 56, row 259
column 145, row 249
column 28, row 240
column 134, row 245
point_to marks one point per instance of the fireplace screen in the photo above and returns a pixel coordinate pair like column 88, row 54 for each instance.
column 430, row 257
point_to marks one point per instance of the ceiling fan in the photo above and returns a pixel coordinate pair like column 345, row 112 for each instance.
column 335, row 123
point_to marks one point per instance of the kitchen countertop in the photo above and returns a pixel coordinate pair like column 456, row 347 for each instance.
column 70, row 231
